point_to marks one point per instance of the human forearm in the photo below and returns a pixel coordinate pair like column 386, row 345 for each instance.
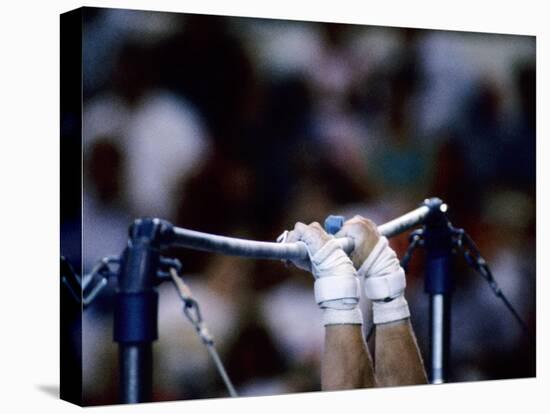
column 346, row 361
column 398, row 359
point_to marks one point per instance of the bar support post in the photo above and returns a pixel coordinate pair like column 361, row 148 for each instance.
column 136, row 309
column 438, row 242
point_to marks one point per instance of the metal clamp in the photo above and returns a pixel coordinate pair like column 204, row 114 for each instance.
column 85, row 289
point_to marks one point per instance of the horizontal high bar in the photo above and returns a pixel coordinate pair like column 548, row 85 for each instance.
column 233, row 246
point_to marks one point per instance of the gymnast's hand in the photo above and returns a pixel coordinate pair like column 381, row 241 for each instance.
column 365, row 235
column 314, row 237
column 336, row 283
column 378, row 264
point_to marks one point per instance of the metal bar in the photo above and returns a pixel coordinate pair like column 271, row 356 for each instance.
column 181, row 237
column 136, row 372
column 405, row 222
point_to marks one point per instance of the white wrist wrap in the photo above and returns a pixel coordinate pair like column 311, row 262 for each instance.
column 384, row 312
column 385, row 283
column 386, row 287
column 342, row 317
column 381, row 261
column 336, row 287
column 344, row 288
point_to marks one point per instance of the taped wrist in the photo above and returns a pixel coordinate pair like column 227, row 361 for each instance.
column 385, row 283
column 336, row 288
column 384, row 312
column 384, row 276
column 342, row 317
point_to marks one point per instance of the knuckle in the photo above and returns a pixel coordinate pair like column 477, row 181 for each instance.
column 315, row 225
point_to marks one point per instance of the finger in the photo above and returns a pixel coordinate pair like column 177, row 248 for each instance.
column 357, row 219
column 371, row 225
column 316, row 225
column 292, row 237
column 298, row 231
column 319, row 230
column 350, row 229
column 365, row 221
column 311, row 235
column 357, row 226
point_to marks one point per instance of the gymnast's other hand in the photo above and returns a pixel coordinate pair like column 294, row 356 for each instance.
column 365, row 235
column 314, row 237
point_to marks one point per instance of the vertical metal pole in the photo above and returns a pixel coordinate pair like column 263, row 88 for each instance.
column 136, row 372
column 438, row 284
column 136, row 310
column 439, row 338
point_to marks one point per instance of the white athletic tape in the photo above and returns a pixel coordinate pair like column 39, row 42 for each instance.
column 386, row 287
column 384, row 312
column 330, row 260
column 336, row 285
column 377, row 250
column 342, row 317
column 385, row 283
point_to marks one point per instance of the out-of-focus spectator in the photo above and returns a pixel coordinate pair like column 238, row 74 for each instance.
column 519, row 152
column 162, row 135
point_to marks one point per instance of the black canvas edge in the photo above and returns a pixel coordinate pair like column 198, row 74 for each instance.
column 70, row 388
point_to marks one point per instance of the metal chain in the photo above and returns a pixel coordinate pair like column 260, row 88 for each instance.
column 473, row 257
column 192, row 312
column 463, row 242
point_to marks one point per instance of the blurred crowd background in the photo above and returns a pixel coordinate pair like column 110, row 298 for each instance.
column 242, row 127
